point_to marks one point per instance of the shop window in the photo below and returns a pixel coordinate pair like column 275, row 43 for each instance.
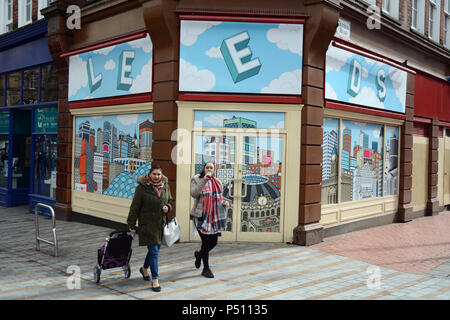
column 330, row 160
column 45, row 165
column 30, row 86
column 361, row 175
column 2, row 90
column 13, row 89
column 3, row 160
column 49, row 83
column 99, row 165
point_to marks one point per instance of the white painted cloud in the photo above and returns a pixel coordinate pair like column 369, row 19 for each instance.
column 367, row 97
column 127, row 119
column 336, row 58
column 279, row 125
column 78, row 77
column 398, row 78
column 110, row 65
column 216, row 119
column 145, row 44
column 143, row 82
column 192, row 79
column 214, row 52
column 330, row 93
column 287, row 37
column 376, row 133
column 287, row 83
column 104, row 51
column 190, row 30
column 373, row 62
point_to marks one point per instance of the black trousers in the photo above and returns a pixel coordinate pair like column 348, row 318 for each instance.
column 209, row 241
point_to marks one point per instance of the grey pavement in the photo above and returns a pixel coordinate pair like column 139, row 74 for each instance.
column 255, row 271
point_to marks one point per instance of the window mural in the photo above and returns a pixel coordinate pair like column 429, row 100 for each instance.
column 391, row 161
column 360, row 80
column 121, row 69
column 241, row 57
column 361, row 160
column 330, row 161
column 239, row 119
column 111, row 151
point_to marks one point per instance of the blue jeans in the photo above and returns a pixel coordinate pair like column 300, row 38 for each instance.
column 151, row 260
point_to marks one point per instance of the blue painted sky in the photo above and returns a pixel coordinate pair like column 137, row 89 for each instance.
column 274, row 61
column 215, row 118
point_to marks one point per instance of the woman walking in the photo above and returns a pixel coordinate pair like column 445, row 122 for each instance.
column 208, row 214
column 151, row 203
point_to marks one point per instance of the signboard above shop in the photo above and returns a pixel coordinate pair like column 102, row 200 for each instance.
column 356, row 79
column 116, row 70
column 241, row 57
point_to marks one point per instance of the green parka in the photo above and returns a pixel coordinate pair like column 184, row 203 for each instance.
column 146, row 208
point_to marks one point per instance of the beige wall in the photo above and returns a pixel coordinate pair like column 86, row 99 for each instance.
column 419, row 189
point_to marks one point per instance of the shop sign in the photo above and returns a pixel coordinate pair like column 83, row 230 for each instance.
column 116, row 70
column 4, row 122
column 360, row 80
column 46, row 120
column 241, row 57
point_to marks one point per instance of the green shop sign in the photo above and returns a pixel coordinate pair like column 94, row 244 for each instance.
column 46, row 120
column 4, row 122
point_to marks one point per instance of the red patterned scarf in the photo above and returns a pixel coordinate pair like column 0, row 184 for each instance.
column 157, row 186
column 213, row 211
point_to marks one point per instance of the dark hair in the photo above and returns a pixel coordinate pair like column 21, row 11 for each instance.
column 202, row 173
column 155, row 167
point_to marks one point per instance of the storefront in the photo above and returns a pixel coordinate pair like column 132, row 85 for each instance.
column 29, row 118
column 226, row 71
column 110, row 100
column 362, row 135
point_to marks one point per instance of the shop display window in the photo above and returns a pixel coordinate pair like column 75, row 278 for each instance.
column 13, row 89
column 111, row 152
column 365, row 155
column 49, row 83
column 330, row 161
column 2, row 90
column 45, row 165
column 30, row 86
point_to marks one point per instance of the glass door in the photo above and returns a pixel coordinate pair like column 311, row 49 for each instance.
column 250, row 168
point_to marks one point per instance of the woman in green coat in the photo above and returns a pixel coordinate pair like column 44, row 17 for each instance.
column 151, row 203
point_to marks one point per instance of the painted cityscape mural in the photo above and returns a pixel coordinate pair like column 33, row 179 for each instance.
column 241, row 57
column 363, row 148
column 111, row 151
column 261, row 166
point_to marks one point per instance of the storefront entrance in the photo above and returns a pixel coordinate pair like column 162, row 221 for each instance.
column 250, row 167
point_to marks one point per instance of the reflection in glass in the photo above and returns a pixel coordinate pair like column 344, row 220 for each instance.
column 49, row 83
column 21, row 162
column 261, row 187
column 330, row 160
column 30, row 86
column 45, row 165
column 2, row 90
column 219, row 150
column 4, row 160
column 13, row 89
column 391, row 161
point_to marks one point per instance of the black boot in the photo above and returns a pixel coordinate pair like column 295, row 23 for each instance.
column 198, row 259
column 207, row 273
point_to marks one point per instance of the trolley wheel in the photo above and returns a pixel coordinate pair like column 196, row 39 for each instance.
column 127, row 271
column 97, row 273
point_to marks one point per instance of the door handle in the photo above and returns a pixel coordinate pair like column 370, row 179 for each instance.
column 245, row 188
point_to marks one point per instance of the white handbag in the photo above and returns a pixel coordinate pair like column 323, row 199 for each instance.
column 171, row 232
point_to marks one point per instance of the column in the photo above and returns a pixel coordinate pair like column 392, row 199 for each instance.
column 433, row 201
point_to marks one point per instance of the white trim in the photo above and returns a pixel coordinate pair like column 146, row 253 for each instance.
column 436, row 21
column 41, row 5
column 392, row 10
column 4, row 15
column 420, row 17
